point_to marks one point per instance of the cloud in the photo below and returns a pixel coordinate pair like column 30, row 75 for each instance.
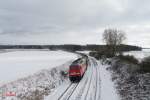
column 71, row 21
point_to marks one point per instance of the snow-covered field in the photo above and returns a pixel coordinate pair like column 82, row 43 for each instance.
column 31, row 74
column 139, row 54
column 85, row 52
column 18, row 64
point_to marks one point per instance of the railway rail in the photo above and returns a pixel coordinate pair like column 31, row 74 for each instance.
column 88, row 88
column 68, row 92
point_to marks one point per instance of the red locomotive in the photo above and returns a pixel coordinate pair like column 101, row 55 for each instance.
column 77, row 69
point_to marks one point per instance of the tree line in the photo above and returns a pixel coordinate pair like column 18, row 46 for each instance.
column 71, row 47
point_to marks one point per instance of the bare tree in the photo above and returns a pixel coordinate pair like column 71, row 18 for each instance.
column 113, row 38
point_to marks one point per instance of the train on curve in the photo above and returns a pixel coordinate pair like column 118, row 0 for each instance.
column 77, row 69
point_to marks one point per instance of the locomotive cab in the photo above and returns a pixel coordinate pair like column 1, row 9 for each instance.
column 77, row 70
column 75, row 73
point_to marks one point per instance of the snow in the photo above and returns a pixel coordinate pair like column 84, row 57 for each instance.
column 37, row 85
column 18, row 64
column 85, row 52
column 108, row 90
column 56, row 93
column 96, row 83
column 139, row 54
column 131, row 84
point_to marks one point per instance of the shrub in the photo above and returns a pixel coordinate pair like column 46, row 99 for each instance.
column 145, row 64
column 100, row 54
column 129, row 58
column 64, row 73
column 93, row 53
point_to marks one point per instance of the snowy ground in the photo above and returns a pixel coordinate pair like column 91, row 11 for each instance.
column 39, row 72
column 35, row 86
column 139, row 54
column 108, row 90
column 18, row 64
column 131, row 84
column 85, row 52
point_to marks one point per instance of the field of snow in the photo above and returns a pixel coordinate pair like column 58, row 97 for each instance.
column 18, row 64
column 139, row 54
column 85, row 52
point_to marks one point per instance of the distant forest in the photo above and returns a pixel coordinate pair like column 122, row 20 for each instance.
column 70, row 47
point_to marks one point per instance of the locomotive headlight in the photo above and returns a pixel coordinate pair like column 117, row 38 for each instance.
column 77, row 73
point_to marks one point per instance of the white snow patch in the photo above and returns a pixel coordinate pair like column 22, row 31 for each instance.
column 44, row 81
column 139, row 54
column 85, row 52
column 108, row 90
column 57, row 92
column 18, row 64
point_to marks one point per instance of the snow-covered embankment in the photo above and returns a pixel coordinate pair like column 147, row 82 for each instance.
column 41, row 71
column 108, row 90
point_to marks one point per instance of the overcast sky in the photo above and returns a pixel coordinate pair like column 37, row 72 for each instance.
column 73, row 21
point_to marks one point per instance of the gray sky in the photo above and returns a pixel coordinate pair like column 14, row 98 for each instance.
column 73, row 21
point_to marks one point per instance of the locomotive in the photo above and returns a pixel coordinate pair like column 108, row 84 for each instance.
column 77, row 69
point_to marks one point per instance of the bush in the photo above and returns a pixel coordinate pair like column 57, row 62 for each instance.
column 100, row 54
column 145, row 64
column 64, row 73
column 93, row 53
column 129, row 58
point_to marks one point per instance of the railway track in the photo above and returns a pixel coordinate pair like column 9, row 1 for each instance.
column 68, row 92
column 90, row 80
column 85, row 92
column 96, row 80
column 97, row 92
column 87, row 89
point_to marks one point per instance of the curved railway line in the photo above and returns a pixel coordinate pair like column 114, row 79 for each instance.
column 89, row 83
column 87, row 89
column 68, row 92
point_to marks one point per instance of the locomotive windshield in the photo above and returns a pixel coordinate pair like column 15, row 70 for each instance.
column 74, row 67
